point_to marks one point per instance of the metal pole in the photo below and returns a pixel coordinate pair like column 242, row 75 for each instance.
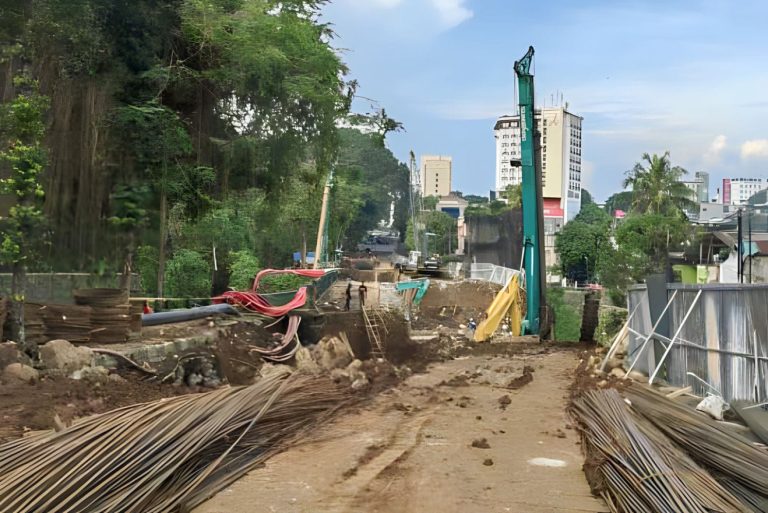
column 653, row 331
column 618, row 337
column 739, row 249
column 677, row 333
column 749, row 230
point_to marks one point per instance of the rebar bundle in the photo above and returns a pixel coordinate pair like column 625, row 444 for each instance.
column 738, row 464
column 635, row 468
column 165, row 456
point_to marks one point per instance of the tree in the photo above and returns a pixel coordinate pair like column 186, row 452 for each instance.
column 474, row 199
column 513, row 193
column 619, row 201
column 443, row 227
column 656, row 186
column 430, row 202
column 582, row 244
column 586, row 198
column 21, row 148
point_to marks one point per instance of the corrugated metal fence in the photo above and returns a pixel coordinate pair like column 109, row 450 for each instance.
column 723, row 341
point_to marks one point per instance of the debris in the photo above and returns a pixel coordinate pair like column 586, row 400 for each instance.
column 481, row 443
column 487, row 462
column 504, row 401
column 679, row 392
column 204, row 441
column 332, row 353
column 9, row 353
column 713, row 406
column 617, row 372
column 20, row 372
column 305, row 360
column 523, row 379
column 61, row 355
column 93, row 374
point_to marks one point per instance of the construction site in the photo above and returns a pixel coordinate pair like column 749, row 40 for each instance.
column 171, row 343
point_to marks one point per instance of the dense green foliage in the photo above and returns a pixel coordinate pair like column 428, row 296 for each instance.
column 189, row 275
column 440, row 233
column 208, row 126
column 584, row 243
column 619, row 201
column 243, row 267
column 567, row 315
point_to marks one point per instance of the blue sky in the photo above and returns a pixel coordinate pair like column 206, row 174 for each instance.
column 688, row 76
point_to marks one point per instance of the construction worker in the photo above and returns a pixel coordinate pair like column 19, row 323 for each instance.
column 472, row 324
column 348, row 296
column 147, row 309
column 362, row 292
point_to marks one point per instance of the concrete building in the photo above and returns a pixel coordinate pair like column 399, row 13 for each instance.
column 436, row 175
column 560, row 157
column 736, row 191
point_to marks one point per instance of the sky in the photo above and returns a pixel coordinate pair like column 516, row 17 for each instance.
column 688, row 76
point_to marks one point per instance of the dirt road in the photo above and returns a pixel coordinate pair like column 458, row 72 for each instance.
column 453, row 439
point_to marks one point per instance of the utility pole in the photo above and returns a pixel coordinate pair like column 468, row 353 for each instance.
column 321, row 235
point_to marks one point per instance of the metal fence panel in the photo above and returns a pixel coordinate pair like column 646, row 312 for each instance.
column 492, row 273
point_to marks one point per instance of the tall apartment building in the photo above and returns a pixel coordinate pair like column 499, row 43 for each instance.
column 560, row 157
column 559, row 154
column 736, row 191
column 435, row 175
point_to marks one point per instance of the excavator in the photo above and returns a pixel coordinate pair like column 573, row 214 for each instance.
column 530, row 316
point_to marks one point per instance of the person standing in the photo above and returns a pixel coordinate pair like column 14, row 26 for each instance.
column 348, row 296
column 362, row 291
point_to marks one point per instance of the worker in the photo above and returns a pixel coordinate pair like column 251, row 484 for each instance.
column 147, row 308
column 348, row 296
column 472, row 324
column 362, row 292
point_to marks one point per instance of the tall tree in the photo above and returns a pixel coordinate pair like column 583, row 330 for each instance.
column 619, row 201
column 656, row 186
column 21, row 148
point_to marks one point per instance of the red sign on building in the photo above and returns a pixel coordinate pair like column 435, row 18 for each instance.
column 726, row 191
column 552, row 208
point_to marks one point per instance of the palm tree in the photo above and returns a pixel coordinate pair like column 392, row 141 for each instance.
column 656, row 186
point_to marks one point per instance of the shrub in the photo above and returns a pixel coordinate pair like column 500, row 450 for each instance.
column 243, row 267
column 188, row 275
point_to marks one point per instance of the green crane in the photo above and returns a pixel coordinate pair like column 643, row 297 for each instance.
column 536, row 316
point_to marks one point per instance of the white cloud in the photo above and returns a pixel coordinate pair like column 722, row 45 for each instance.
column 387, row 4
column 452, row 12
column 756, row 148
column 712, row 155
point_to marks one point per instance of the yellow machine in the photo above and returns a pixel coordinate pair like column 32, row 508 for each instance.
column 508, row 303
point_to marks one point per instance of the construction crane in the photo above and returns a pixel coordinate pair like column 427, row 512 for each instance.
column 537, row 318
column 417, row 207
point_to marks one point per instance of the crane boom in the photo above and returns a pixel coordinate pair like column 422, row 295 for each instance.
column 532, row 201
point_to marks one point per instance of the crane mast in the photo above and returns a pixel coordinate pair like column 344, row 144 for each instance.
column 533, row 221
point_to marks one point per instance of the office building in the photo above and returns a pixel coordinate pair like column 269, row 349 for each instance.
column 736, row 191
column 435, row 175
column 559, row 154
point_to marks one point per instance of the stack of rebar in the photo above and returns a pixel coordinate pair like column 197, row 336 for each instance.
column 738, row 464
column 635, row 468
column 164, row 456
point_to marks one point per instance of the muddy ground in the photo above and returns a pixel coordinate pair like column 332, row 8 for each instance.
column 479, row 433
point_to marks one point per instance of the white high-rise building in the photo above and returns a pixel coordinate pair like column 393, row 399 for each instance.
column 560, row 157
column 736, row 191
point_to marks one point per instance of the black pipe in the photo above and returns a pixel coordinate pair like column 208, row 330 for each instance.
column 739, row 249
column 190, row 314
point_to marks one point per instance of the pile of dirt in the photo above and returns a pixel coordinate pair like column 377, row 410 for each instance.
column 31, row 407
column 453, row 304
column 237, row 363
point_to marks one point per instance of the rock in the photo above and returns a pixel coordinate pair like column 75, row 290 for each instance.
column 332, row 353
column 339, row 375
column 637, row 376
column 305, row 361
column 360, row 383
column 61, row 355
column 20, row 372
column 487, row 462
column 117, row 378
column 9, row 353
column 97, row 373
column 355, row 366
column 613, row 363
column 601, row 350
column 617, row 372
column 481, row 443
column 713, row 406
